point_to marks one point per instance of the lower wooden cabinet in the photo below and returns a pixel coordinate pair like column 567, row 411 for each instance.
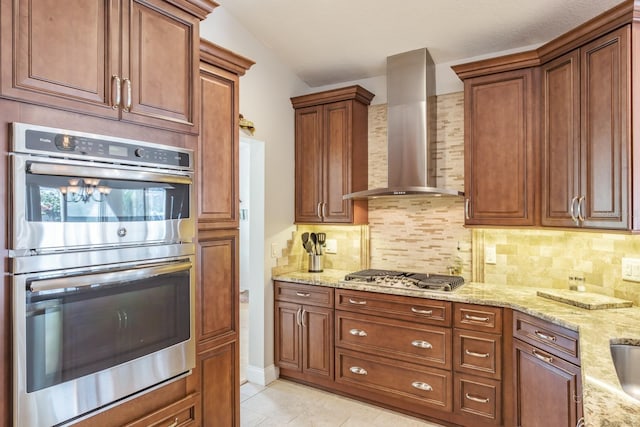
column 477, row 398
column 182, row 413
column 218, row 371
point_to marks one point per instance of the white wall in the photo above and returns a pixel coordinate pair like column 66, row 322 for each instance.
column 264, row 99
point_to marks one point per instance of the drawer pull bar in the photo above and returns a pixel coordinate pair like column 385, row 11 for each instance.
column 476, row 318
column 303, row 294
column 476, row 399
column 544, row 336
column 421, row 344
column 542, row 357
column 358, row 370
column 474, row 354
column 421, row 386
column 358, row 332
column 419, row 311
column 352, row 301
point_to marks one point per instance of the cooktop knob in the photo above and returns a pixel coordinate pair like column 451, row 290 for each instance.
column 139, row 152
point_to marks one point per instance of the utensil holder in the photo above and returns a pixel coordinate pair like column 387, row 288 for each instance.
column 315, row 263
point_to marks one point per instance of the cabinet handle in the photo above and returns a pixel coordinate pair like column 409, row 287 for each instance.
column 542, row 357
column 421, row 386
column 358, row 370
column 581, row 208
column 419, row 311
column 303, row 294
column 474, row 354
column 421, row 344
column 118, row 92
column 572, row 210
column 467, row 202
column 476, row 399
column 127, row 106
column 581, row 423
column 174, row 423
column 304, row 312
column 544, row 336
column 352, row 301
column 358, row 332
column 476, row 318
column 298, row 317
column 319, row 210
column 324, row 206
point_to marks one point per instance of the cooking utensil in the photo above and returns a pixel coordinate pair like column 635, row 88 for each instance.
column 308, row 246
column 314, row 240
column 305, row 239
column 322, row 241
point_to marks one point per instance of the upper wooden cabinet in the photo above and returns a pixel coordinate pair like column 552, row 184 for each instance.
column 132, row 60
column 218, row 145
column 331, row 155
column 586, row 135
column 501, row 148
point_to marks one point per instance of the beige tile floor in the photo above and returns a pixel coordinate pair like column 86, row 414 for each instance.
column 285, row 403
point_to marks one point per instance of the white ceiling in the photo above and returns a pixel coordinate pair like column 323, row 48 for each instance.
column 332, row 41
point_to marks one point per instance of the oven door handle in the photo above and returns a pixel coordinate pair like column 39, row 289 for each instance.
column 106, row 278
column 106, row 173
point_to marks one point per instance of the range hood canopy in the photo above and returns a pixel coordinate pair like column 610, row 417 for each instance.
column 411, row 112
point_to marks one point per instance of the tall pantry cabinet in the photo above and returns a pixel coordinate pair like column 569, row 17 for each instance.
column 217, row 289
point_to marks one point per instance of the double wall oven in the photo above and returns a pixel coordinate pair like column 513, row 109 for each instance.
column 102, row 266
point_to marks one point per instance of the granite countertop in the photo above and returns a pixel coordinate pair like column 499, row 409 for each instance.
column 605, row 403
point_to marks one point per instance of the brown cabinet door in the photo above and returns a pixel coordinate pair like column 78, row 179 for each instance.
column 287, row 326
column 547, row 388
column 220, row 385
column 337, row 162
column 605, row 78
column 317, row 341
column 218, row 285
column 61, row 56
column 309, row 164
column 160, row 63
column 218, row 153
column 561, row 153
column 500, row 149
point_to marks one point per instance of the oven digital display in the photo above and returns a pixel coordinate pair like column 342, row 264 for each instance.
column 118, row 150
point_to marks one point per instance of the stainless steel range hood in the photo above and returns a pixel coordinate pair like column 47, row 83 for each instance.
column 411, row 133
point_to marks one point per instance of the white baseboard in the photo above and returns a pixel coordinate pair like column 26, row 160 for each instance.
column 262, row 376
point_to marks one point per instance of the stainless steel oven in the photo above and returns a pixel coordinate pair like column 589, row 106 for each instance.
column 74, row 190
column 102, row 271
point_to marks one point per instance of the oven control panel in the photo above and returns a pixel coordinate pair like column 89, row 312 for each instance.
column 60, row 143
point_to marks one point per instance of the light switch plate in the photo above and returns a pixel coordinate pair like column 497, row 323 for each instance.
column 331, row 246
column 274, row 250
column 631, row 269
column 490, row 254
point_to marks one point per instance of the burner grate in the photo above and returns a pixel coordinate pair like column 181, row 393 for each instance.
column 392, row 278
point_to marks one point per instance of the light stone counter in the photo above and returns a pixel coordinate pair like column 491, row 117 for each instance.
column 605, row 403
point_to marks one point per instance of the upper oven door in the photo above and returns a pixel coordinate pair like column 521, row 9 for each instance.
column 68, row 204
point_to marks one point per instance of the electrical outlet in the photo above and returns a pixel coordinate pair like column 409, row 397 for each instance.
column 274, row 250
column 631, row 269
column 490, row 254
column 331, row 246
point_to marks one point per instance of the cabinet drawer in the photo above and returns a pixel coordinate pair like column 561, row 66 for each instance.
column 182, row 413
column 477, row 353
column 304, row 294
column 477, row 317
column 426, row 311
column 421, row 385
column 412, row 342
column 477, row 397
column 557, row 340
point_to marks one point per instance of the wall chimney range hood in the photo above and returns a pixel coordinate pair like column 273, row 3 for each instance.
column 411, row 133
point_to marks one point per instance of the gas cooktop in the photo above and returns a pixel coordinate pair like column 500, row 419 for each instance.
column 407, row 280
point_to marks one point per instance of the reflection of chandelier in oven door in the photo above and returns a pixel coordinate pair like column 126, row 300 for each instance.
column 85, row 189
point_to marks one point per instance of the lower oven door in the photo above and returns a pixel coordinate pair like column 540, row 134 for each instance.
column 87, row 339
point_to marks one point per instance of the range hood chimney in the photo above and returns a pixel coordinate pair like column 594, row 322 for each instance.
column 411, row 133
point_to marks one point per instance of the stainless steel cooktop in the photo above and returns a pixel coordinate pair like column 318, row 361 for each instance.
column 406, row 280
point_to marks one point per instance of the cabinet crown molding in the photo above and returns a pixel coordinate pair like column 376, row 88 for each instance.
column 197, row 8
column 355, row 92
column 218, row 56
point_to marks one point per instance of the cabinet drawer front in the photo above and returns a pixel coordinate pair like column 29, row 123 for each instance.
column 304, row 294
column 413, row 383
column 427, row 311
column 557, row 340
column 182, row 413
column 392, row 338
column 477, row 317
column 477, row 397
column 477, row 353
